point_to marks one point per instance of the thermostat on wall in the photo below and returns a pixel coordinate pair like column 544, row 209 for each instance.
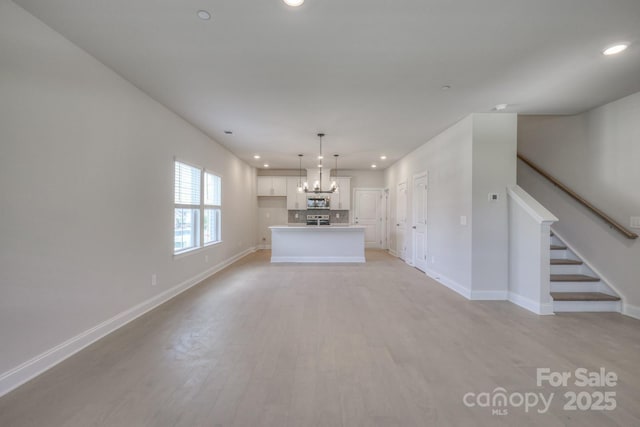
column 493, row 197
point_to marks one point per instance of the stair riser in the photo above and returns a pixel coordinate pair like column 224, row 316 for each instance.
column 575, row 287
column 586, row 306
column 569, row 269
column 559, row 253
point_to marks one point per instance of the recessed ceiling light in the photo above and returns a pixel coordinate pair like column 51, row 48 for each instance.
column 374, row 166
column 320, row 157
column 383, row 157
column 500, row 107
column 612, row 50
column 446, row 87
column 204, row 15
column 256, row 157
column 294, row 3
column 320, row 166
column 266, row 165
column 228, row 132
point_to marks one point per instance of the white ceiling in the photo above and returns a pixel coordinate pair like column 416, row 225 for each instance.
column 368, row 73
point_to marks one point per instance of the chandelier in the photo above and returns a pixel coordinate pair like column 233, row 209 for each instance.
column 317, row 186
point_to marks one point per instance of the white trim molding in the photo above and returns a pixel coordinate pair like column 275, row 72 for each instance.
column 451, row 284
column 30, row 369
column 489, row 295
column 631, row 310
column 536, row 307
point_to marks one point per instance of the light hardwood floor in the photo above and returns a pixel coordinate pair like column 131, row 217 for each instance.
column 377, row 344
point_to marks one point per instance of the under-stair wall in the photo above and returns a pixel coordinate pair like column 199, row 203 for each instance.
column 596, row 154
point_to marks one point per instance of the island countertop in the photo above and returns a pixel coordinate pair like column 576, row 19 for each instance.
column 317, row 227
column 317, row 243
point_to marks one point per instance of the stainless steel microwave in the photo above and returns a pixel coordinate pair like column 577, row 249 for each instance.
column 316, row 202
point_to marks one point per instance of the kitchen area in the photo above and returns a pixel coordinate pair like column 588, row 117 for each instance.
column 301, row 226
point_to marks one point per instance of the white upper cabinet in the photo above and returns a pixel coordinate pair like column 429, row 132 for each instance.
column 272, row 186
column 341, row 200
column 295, row 200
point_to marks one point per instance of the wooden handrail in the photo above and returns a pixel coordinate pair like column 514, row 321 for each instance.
column 612, row 222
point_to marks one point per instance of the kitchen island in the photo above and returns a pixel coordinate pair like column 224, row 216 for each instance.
column 313, row 243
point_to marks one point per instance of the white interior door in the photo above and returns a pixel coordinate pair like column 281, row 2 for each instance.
column 401, row 218
column 385, row 218
column 420, row 221
column 368, row 214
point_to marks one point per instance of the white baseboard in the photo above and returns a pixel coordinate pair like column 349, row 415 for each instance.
column 263, row 247
column 531, row 305
column 451, row 284
column 489, row 295
column 631, row 310
column 392, row 252
column 31, row 368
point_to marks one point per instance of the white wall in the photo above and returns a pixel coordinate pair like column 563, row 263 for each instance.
column 364, row 178
column 271, row 211
column 596, row 154
column 448, row 159
column 465, row 163
column 86, row 187
column 494, row 169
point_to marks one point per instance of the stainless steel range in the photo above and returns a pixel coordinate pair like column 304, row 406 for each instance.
column 318, row 220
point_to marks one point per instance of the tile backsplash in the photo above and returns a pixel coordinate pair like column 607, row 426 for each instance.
column 302, row 216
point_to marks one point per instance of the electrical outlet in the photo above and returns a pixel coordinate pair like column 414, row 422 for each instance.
column 635, row 222
column 337, row 215
column 493, row 197
column 296, row 216
column 463, row 220
column 154, row 279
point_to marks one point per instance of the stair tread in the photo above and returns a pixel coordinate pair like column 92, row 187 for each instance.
column 564, row 261
column 583, row 296
column 558, row 247
column 573, row 278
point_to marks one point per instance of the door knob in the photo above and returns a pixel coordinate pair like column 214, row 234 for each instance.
column 414, row 227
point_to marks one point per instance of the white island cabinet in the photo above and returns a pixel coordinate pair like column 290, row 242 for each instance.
column 335, row 243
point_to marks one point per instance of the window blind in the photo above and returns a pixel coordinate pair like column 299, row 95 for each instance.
column 187, row 184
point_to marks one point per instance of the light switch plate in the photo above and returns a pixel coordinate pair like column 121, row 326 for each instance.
column 463, row 220
column 635, row 222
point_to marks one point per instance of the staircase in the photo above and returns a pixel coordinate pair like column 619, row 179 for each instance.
column 574, row 286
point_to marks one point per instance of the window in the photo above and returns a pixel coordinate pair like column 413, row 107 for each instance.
column 197, row 213
column 212, row 204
